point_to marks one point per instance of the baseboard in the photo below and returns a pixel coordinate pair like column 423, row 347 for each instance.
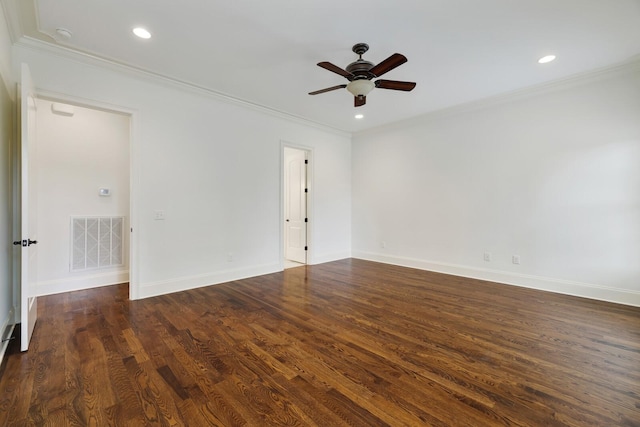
column 191, row 282
column 329, row 257
column 5, row 334
column 566, row 287
column 50, row 287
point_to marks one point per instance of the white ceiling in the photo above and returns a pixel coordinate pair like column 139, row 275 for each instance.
column 265, row 51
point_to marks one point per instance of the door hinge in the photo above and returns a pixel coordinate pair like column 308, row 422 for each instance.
column 306, row 248
column 306, row 190
column 306, row 220
column 306, row 162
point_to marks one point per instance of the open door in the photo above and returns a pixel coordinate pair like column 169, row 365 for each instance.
column 295, row 177
column 28, row 255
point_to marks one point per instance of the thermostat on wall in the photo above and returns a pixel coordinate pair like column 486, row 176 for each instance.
column 104, row 192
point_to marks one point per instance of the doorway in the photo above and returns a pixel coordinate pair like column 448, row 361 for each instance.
column 295, row 206
column 84, row 195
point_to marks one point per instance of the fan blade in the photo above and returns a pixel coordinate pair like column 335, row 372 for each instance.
column 359, row 100
column 388, row 64
column 327, row 89
column 395, row 85
column 334, row 68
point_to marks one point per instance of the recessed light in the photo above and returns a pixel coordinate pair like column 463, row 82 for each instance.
column 359, row 116
column 546, row 59
column 142, row 33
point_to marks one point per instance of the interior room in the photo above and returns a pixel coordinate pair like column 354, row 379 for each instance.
column 318, row 213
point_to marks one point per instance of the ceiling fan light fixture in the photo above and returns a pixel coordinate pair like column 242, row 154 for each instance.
column 360, row 87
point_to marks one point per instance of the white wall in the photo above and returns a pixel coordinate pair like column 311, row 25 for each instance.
column 5, row 54
column 214, row 167
column 551, row 176
column 77, row 155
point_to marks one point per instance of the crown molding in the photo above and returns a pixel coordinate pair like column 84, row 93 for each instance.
column 85, row 58
column 629, row 66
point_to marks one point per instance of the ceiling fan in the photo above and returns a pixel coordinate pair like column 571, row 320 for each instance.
column 361, row 72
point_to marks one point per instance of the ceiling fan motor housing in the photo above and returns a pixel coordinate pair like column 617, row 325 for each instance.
column 360, row 69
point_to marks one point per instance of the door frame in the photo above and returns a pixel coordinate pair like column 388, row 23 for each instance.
column 134, row 171
column 310, row 194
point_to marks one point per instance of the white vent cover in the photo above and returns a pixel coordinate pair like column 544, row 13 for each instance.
column 96, row 242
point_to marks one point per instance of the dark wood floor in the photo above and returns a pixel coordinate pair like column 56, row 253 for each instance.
column 344, row 343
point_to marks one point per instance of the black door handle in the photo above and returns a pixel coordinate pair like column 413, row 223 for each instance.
column 25, row 243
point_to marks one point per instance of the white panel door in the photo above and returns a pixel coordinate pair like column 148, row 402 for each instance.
column 296, row 206
column 28, row 256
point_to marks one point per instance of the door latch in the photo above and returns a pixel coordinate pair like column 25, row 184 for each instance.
column 25, row 243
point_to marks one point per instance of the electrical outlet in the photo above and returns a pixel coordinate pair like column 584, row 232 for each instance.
column 383, row 245
column 515, row 259
column 487, row 256
column 158, row 215
column 230, row 257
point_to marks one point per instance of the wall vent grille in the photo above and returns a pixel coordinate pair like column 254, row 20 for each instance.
column 96, row 242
